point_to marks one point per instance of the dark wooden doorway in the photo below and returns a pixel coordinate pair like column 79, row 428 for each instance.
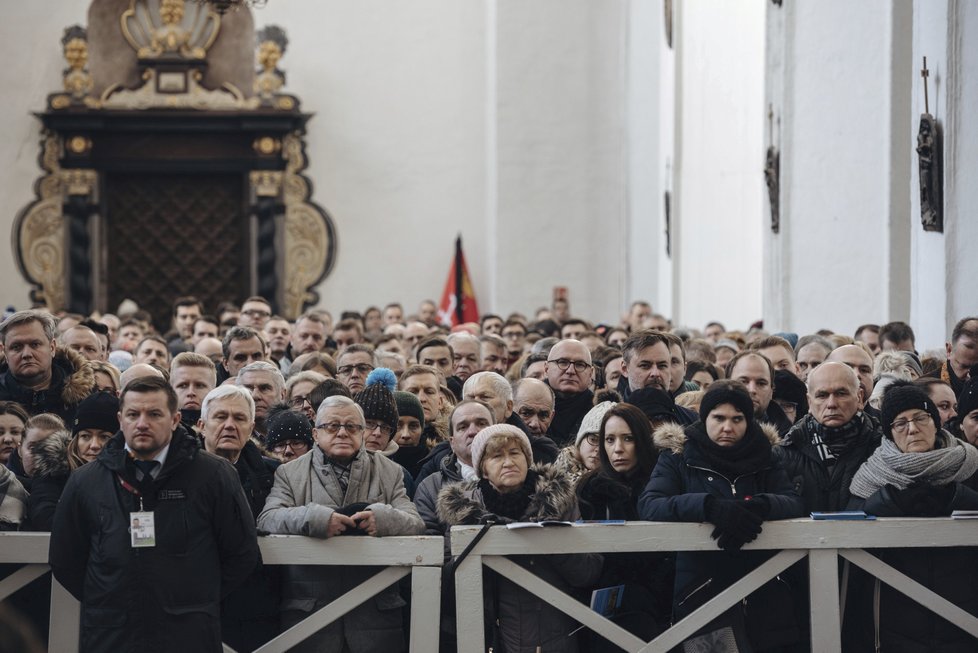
column 169, row 235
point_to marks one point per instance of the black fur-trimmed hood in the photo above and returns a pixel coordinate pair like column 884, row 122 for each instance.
column 672, row 437
column 552, row 498
column 51, row 455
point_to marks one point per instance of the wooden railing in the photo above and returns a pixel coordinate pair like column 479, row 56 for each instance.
column 421, row 557
column 823, row 542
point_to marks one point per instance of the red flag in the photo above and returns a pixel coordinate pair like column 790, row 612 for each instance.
column 458, row 299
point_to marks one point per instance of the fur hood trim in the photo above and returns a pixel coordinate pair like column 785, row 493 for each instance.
column 553, row 498
column 51, row 455
column 81, row 376
column 672, row 437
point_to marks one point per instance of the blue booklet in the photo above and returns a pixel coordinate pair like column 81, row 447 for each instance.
column 607, row 600
column 843, row 514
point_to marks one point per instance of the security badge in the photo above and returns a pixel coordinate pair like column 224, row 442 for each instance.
column 142, row 529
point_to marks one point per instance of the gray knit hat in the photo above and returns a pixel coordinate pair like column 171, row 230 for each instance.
column 592, row 420
column 408, row 405
column 498, row 430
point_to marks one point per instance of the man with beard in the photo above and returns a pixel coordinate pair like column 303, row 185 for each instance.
column 647, row 362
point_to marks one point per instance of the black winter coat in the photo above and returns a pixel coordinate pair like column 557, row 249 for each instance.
column 903, row 625
column 819, row 489
column 648, row 577
column 163, row 598
column 72, row 379
column 678, row 491
column 250, row 614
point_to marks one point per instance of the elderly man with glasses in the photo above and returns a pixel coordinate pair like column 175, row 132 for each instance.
column 569, row 374
column 325, row 493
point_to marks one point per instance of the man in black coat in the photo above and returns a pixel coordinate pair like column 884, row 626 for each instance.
column 249, row 614
column 823, row 451
column 153, row 534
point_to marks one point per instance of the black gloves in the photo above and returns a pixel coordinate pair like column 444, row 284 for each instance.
column 736, row 524
column 759, row 505
column 924, row 500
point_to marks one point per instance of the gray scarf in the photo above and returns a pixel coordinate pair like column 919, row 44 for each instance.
column 13, row 499
column 951, row 461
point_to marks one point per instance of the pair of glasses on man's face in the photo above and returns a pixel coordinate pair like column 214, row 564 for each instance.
column 563, row 363
column 334, row 427
column 347, row 370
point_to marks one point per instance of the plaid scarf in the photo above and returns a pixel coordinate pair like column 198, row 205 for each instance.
column 832, row 442
column 340, row 470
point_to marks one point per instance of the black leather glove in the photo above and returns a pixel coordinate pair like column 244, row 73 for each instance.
column 735, row 524
column 924, row 500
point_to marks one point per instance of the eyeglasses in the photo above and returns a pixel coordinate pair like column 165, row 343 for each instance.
column 526, row 413
column 254, row 312
column 593, row 439
column 334, row 427
column 900, row 426
column 373, row 425
column 290, row 444
column 298, row 401
column 563, row 363
column 347, row 370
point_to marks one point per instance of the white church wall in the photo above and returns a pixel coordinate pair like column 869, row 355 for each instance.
column 944, row 265
column 561, row 154
column 32, row 44
column 718, row 184
column 648, row 274
column 840, row 97
column 396, row 147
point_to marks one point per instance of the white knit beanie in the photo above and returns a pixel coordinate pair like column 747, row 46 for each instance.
column 592, row 421
column 496, row 430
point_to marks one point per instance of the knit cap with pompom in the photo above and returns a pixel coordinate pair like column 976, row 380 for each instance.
column 377, row 398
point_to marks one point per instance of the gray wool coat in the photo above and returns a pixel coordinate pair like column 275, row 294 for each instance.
column 301, row 502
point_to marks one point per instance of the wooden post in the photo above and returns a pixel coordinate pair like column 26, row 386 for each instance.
column 823, row 582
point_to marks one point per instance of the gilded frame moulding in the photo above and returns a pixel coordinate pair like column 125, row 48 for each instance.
column 40, row 230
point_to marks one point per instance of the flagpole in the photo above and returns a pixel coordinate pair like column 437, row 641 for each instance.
column 459, row 294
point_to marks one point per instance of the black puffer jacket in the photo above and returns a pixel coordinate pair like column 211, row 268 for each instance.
column 166, row 597
column 900, row 623
column 679, row 489
column 819, row 489
column 72, row 379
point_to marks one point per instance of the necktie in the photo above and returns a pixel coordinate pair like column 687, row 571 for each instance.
column 146, row 467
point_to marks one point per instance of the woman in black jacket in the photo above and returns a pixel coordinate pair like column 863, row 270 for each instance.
column 720, row 470
column 919, row 470
column 611, row 493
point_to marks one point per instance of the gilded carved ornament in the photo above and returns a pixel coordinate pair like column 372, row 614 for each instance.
column 40, row 227
column 308, row 237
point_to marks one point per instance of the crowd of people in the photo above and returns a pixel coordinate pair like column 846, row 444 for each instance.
column 156, row 460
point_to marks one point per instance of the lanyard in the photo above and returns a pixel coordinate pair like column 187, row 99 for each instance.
column 128, row 487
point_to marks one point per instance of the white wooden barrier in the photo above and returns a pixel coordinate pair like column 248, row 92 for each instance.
column 421, row 557
column 822, row 541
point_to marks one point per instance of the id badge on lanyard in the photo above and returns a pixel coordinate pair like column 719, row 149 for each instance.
column 142, row 526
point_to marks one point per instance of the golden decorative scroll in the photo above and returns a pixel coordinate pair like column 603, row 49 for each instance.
column 308, row 238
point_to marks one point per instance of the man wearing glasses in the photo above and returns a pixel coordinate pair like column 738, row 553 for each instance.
column 569, row 374
column 353, row 366
column 255, row 312
column 325, row 493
